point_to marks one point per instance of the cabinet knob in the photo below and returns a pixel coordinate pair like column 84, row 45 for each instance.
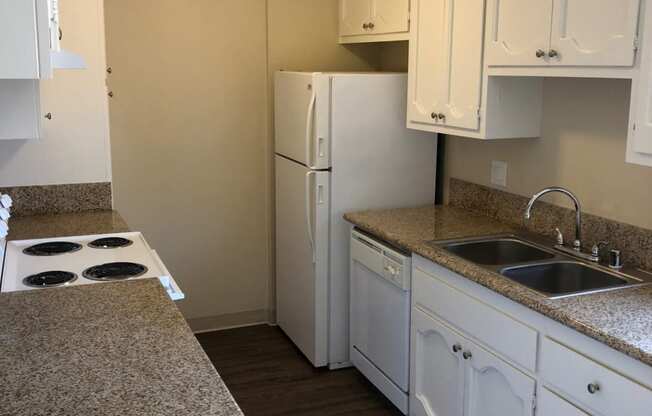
column 365, row 26
column 593, row 388
column 48, row 116
column 457, row 348
column 371, row 25
column 467, row 355
column 540, row 53
column 110, row 94
column 553, row 53
column 442, row 116
column 433, row 116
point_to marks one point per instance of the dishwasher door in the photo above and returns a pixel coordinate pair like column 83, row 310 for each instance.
column 380, row 316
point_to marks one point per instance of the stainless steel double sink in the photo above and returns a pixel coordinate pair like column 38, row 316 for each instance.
column 542, row 269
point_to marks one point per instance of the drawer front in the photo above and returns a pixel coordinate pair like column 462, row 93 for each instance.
column 552, row 405
column 592, row 384
column 507, row 336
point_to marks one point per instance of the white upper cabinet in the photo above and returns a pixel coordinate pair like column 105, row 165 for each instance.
column 449, row 91
column 390, row 16
column 594, row 33
column 374, row 20
column 519, row 31
column 562, row 33
column 24, row 39
column 446, row 63
column 355, row 16
column 639, row 143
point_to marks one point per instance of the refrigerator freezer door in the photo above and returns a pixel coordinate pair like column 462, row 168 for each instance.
column 301, row 108
column 302, row 224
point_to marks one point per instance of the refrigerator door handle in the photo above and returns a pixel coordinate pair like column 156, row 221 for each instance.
column 309, row 216
column 309, row 128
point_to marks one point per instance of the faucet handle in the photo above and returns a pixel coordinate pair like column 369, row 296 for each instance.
column 560, row 237
column 595, row 251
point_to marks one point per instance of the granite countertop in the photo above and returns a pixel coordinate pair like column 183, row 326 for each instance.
column 64, row 225
column 104, row 349
column 118, row 348
column 621, row 319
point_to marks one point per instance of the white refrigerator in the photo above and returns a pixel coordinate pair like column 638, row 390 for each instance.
column 341, row 145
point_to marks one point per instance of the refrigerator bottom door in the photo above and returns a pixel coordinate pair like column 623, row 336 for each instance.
column 302, row 224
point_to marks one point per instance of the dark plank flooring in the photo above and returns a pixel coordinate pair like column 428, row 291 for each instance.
column 268, row 376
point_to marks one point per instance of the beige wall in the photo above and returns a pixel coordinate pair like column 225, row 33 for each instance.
column 188, row 123
column 192, row 134
column 75, row 146
column 582, row 147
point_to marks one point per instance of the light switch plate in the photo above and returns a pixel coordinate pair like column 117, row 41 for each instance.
column 499, row 173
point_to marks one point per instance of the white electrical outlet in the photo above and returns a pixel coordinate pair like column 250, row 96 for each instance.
column 499, row 173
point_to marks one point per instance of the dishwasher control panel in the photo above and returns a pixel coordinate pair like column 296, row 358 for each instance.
column 394, row 266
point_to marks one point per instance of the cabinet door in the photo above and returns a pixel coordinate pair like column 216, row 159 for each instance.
column 446, row 63
column 18, row 40
column 437, row 370
column 390, row 16
column 594, row 32
column 495, row 388
column 517, row 30
column 354, row 16
column 549, row 404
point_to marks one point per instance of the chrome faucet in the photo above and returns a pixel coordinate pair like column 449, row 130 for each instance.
column 577, row 244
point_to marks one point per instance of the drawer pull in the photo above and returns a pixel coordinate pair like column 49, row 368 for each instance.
column 467, row 355
column 593, row 388
column 457, row 348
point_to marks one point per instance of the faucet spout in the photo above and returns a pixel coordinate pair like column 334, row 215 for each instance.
column 577, row 244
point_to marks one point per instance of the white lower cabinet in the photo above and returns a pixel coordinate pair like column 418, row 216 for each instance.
column 477, row 353
column 437, row 368
column 550, row 404
column 495, row 388
column 453, row 376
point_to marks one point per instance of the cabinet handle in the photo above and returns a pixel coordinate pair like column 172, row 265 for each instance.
column 553, row 53
column 593, row 388
column 457, row 348
column 371, row 25
column 48, row 116
column 365, row 26
column 467, row 355
column 540, row 53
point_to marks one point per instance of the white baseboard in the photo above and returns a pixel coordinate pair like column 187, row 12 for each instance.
column 228, row 321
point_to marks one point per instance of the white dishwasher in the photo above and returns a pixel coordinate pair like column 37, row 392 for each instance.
column 380, row 316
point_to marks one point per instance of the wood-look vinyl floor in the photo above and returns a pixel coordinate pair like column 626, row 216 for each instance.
column 268, row 376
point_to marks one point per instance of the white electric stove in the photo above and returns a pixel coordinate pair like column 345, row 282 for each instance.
column 71, row 261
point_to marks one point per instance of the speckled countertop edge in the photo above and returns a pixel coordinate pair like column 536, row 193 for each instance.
column 621, row 319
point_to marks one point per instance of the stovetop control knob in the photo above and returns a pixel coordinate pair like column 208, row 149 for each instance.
column 6, row 201
column 4, row 214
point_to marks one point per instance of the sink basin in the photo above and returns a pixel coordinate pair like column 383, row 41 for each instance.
column 557, row 279
column 496, row 252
